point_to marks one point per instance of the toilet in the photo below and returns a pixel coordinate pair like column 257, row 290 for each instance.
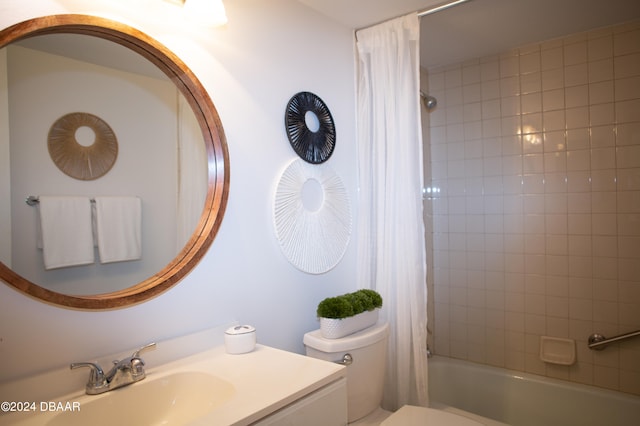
column 409, row 415
column 367, row 350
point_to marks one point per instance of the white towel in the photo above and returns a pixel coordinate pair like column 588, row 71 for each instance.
column 118, row 228
column 67, row 237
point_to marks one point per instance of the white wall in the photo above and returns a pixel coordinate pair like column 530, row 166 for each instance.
column 251, row 67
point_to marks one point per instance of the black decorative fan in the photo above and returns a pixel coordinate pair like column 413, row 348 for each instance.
column 313, row 144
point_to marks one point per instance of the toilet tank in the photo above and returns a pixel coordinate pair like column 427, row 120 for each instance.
column 365, row 375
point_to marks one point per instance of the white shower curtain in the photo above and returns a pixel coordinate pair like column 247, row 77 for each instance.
column 391, row 244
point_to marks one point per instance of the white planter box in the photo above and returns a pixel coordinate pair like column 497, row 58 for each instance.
column 332, row 328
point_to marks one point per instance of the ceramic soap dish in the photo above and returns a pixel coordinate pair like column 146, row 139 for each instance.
column 555, row 350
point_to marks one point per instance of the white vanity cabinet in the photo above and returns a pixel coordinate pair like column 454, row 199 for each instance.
column 324, row 407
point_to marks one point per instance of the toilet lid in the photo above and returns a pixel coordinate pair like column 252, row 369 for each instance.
column 409, row 415
column 366, row 337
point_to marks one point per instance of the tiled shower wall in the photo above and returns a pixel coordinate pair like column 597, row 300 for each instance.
column 535, row 201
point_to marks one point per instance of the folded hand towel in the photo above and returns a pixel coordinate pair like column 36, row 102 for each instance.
column 67, row 238
column 118, row 228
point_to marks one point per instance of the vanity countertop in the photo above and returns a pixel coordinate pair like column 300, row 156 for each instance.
column 263, row 381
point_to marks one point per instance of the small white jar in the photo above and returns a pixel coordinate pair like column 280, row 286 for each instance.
column 240, row 339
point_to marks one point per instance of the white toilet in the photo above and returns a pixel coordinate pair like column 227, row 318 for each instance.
column 367, row 350
column 409, row 415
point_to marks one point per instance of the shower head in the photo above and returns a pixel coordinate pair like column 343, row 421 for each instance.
column 428, row 101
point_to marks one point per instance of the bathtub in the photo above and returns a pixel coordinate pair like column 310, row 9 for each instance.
column 522, row 399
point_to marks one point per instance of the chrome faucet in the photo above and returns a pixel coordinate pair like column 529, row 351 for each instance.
column 123, row 372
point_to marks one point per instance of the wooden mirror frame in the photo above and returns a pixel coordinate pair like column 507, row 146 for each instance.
column 214, row 139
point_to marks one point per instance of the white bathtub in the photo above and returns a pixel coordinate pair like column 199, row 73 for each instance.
column 522, row 399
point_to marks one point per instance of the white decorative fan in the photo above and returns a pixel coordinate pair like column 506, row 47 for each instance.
column 312, row 216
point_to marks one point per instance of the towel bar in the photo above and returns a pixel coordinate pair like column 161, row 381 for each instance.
column 32, row 200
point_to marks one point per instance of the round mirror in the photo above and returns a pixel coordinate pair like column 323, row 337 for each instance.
column 170, row 268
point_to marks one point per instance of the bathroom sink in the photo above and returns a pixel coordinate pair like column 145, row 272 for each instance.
column 205, row 387
column 177, row 398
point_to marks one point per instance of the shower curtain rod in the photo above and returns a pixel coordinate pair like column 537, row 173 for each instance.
column 426, row 12
column 443, row 6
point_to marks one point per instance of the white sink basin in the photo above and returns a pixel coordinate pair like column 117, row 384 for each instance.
column 177, row 398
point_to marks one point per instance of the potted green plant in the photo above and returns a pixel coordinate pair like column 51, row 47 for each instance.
column 348, row 313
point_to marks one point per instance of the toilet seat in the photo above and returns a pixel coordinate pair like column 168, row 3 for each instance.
column 410, row 415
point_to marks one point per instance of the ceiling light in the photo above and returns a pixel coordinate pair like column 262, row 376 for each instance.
column 208, row 12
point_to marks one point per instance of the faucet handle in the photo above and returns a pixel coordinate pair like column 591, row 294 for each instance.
column 96, row 375
column 150, row 346
column 136, row 363
column 137, row 368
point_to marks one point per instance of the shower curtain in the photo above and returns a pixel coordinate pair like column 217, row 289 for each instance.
column 391, row 236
